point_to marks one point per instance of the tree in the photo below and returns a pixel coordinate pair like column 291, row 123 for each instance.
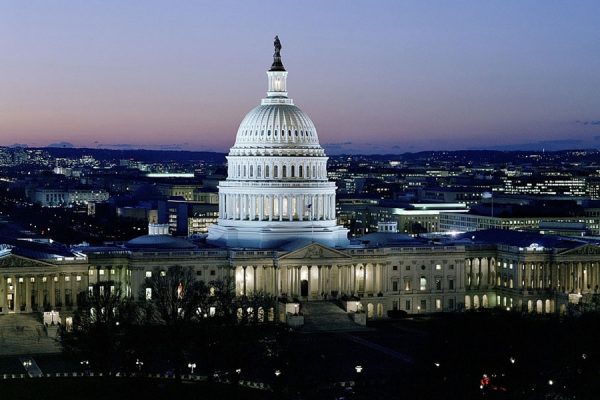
column 175, row 303
column 100, row 326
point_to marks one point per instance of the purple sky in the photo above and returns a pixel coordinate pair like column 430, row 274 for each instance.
column 375, row 77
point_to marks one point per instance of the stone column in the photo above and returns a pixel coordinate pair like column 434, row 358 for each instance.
column 244, row 284
column 27, row 281
column 3, row 294
column 61, row 281
column 254, row 279
column 261, row 207
column 52, row 294
column 16, row 294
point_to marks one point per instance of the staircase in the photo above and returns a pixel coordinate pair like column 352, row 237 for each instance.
column 325, row 316
column 22, row 334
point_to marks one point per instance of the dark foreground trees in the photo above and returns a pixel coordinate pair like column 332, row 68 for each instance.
column 178, row 320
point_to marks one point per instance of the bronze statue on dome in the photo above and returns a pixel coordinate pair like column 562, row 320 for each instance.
column 277, row 45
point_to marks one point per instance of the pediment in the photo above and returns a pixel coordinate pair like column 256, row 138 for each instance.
column 314, row 251
column 586, row 249
column 15, row 261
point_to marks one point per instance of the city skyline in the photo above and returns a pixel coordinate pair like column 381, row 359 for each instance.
column 406, row 76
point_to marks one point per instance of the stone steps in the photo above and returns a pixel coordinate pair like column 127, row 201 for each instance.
column 326, row 316
column 25, row 334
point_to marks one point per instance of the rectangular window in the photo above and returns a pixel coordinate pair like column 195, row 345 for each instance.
column 451, row 284
column 395, row 268
column 438, row 284
column 438, row 267
column 32, row 279
column 67, row 278
column 148, row 274
column 148, row 293
column 407, row 284
column 91, row 272
column 78, row 278
column 438, row 304
column 395, row 305
column 212, row 272
column 395, row 286
column 451, row 304
column 423, row 305
column 408, row 268
column 407, row 305
column 101, row 272
column 199, row 273
column 423, row 283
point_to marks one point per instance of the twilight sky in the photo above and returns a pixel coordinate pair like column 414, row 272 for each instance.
column 374, row 76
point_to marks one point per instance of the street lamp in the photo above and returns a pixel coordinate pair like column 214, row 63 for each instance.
column 512, row 360
column 358, row 369
column 191, row 366
column 84, row 363
column 139, row 364
column 27, row 364
column 277, row 372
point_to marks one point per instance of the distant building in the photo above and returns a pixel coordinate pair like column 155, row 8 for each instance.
column 58, row 197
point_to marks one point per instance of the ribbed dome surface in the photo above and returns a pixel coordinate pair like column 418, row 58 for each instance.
column 276, row 124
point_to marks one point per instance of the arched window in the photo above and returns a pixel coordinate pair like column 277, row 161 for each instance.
column 293, row 171
column 284, row 175
column 266, row 171
column 314, row 171
column 300, row 171
column 258, row 171
column 244, row 171
column 251, row 171
column 423, row 283
column 275, row 172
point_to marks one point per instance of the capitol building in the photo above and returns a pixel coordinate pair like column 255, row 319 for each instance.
column 277, row 233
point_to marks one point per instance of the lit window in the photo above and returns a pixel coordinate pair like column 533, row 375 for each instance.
column 438, row 267
column 438, row 304
column 101, row 272
column 148, row 293
column 20, row 280
column 56, row 279
column 78, row 278
column 67, row 278
column 44, row 279
column 9, row 280
column 91, row 272
column 148, row 274
column 423, row 283
column 163, row 273
column 113, row 271
column 32, row 279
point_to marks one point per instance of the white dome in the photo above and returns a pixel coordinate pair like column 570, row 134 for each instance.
column 276, row 188
column 269, row 125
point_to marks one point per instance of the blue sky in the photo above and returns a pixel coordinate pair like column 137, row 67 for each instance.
column 375, row 76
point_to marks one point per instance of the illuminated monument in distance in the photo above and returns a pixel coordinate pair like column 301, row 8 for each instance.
column 276, row 189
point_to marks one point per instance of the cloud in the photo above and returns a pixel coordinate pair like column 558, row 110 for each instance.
column 63, row 145
column 589, row 122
